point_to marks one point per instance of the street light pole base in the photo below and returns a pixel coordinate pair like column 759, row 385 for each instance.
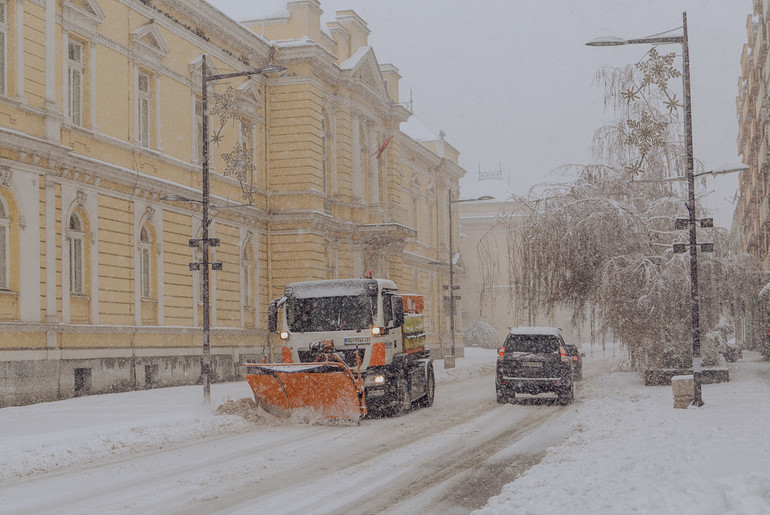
column 449, row 361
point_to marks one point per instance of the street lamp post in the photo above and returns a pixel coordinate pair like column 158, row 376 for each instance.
column 451, row 362
column 668, row 37
column 205, row 242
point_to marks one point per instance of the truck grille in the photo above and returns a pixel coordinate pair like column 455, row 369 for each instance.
column 347, row 355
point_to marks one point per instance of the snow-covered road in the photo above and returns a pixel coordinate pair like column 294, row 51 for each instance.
column 145, row 452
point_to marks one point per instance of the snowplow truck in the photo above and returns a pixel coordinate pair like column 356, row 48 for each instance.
column 348, row 347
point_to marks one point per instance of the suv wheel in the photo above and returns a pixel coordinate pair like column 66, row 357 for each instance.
column 505, row 397
column 566, row 396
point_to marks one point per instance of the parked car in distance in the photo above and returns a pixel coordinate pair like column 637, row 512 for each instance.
column 534, row 360
column 577, row 360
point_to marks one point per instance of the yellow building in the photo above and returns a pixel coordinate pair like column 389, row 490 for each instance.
column 101, row 117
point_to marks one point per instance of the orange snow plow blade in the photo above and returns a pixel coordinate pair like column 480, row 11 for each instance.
column 329, row 388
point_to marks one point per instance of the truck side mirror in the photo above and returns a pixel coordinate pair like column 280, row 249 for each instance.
column 398, row 311
column 272, row 317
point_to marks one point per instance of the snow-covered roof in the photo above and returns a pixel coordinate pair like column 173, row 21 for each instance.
column 471, row 187
column 353, row 60
column 336, row 287
column 249, row 11
column 417, row 130
column 547, row 331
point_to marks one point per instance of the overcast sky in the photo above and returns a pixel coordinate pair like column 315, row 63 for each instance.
column 511, row 81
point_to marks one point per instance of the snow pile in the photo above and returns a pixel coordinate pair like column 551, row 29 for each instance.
column 56, row 435
column 245, row 408
column 630, row 451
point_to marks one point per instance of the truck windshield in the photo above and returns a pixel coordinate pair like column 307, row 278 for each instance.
column 330, row 313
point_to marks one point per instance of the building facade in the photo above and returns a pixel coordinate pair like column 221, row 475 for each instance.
column 101, row 135
column 752, row 212
column 751, row 220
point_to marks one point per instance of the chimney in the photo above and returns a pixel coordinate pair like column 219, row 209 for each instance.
column 357, row 29
column 391, row 76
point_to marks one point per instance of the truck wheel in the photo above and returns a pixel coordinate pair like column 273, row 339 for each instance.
column 402, row 402
column 566, row 396
column 427, row 400
column 505, row 397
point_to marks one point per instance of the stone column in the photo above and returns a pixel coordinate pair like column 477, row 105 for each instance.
column 357, row 172
column 53, row 116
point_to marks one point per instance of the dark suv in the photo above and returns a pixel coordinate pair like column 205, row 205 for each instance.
column 534, row 360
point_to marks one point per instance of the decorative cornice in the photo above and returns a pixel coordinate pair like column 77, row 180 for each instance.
column 5, row 176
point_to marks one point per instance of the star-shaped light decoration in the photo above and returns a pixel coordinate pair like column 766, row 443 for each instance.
column 672, row 104
column 635, row 168
column 631, row 95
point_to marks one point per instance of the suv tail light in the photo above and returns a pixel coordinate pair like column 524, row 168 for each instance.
column 563, row 352
column 501, row 351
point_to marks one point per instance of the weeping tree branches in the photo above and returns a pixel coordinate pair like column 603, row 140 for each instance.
column 605, row 240
column 608, row 244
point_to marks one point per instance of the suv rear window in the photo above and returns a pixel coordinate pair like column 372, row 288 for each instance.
column 535, row 343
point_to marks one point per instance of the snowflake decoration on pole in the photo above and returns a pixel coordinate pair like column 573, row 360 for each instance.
column 240, row 164
column 226, row 107
column 645, row 135
column 658, row 69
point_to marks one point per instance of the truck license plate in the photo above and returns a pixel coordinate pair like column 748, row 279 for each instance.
column 531, row 363
column 357, row 340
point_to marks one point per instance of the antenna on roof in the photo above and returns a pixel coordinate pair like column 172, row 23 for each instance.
column 410, row 105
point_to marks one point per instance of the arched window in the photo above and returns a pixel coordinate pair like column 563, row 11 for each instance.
column 4, row 246
column 145, row 263
column 76, row 242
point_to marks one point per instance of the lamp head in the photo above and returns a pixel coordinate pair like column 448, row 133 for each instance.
column 607, row 41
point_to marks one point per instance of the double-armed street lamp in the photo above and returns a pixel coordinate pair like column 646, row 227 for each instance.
column 205, row 242
column 450, row 363
column 675, row 37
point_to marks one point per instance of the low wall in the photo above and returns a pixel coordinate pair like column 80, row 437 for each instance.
column 31, row 381
column 662, row 377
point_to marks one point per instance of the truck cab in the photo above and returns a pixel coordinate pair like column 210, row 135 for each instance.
column 364, row 324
